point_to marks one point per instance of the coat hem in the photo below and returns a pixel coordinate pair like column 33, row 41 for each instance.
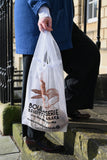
column 62, row 46
column 24, row 51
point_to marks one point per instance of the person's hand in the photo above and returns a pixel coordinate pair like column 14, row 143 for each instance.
column 45, row 24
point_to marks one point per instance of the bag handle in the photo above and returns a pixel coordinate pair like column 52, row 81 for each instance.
column 47, row 50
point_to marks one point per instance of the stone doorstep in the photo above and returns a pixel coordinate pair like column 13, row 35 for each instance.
column 99, row 111
column 93, row 124
column 87, row 143
column 90, row 146
column 29, row 154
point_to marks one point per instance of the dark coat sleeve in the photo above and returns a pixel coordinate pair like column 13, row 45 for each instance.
column 36, row 4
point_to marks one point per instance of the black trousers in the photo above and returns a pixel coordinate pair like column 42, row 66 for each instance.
column 81, row 63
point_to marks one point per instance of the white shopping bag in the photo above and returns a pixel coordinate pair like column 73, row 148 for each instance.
column 45, row 106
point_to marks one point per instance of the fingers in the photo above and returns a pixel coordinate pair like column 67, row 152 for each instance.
column 43, row 89
column 36, row 97
column 36, row 91
column 52, row 92
column 45, row 24
column 43, row 83
column 40, row 27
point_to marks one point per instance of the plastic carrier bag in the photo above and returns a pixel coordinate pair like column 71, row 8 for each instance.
column 45, row 106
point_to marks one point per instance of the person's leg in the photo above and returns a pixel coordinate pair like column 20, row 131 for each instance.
column 27, row 131
column 81, row 63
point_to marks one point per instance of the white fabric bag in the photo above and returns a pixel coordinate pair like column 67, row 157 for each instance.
column 45, row 106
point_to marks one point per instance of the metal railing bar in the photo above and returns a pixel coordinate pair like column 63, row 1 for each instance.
column 98, row 43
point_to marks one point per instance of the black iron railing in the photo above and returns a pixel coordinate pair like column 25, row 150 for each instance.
column 7, row 73
column 99, row 21
column 17, row 83
column 98, row 43
column 6, row 51
column 3, row 51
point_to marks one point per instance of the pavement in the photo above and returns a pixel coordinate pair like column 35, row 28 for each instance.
column 10, row 151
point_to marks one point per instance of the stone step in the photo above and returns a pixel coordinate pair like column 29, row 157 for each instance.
column 28, row 154
column 86, row 140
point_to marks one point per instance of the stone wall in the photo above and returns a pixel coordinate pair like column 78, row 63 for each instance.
column 77, row 17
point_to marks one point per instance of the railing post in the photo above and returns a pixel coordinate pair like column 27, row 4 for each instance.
column 98, row 43
column 10, row 68
column 85, row 16
column 11, row 51
column 5, row 52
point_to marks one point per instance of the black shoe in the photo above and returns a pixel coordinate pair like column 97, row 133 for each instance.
column 45, row 145
column 31, row 142
column 76, row 115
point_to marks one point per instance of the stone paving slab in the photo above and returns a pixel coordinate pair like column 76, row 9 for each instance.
column 7, row 146
column 15, row 156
